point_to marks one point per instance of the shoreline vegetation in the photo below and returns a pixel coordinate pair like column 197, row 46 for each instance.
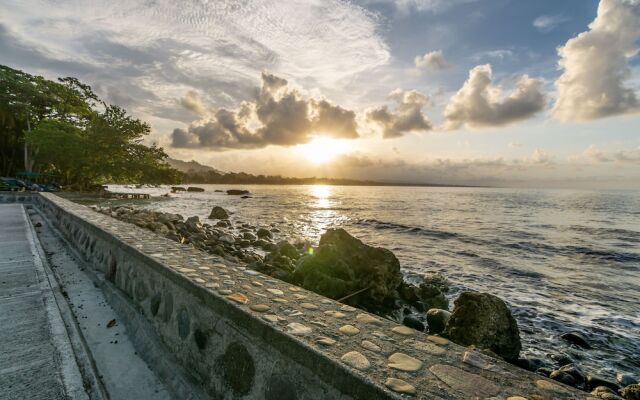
column 345, row 269
column 61, row 131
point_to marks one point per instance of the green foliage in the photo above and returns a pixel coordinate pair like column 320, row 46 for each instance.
column 74, row 134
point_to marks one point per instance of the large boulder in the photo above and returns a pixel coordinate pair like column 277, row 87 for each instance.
column 631, row 392
column 342, row 265
column 484, row 320
column 237, row 192
column 218, row 213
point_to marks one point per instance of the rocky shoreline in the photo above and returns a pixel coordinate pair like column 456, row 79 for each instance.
column 345, row 269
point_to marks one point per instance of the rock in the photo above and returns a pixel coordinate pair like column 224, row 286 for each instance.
column 263, row 233
column 484, row 320
column 413, row 322
column 625, row 379
column 343, row 265
column 177, row 189
column 287, row 249
column 194, row 189
column 631, row 392
column 193, row 224
column 298, row 329
column 563, row 377
column 249, row 236
column 593, row 381
column 349, row 330
column 218, row 213
column 576, row 338
column 437, row 320
column 530, row 364
column 575, row 372
column 245, row 197
column 562, row 359
column 218, row 190
column 606, row 393
column 237, row 192
column 544, row 371
column 227, row 239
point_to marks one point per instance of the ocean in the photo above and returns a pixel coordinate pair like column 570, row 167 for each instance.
column 564, row 260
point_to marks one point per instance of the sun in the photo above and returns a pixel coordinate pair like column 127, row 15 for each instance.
column 322, row 150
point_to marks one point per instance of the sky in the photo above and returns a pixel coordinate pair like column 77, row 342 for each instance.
column 541, row 93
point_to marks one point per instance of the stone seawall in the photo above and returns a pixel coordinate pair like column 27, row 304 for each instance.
column 241, row 334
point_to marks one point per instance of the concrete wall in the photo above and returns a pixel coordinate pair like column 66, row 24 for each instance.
column 240, row 334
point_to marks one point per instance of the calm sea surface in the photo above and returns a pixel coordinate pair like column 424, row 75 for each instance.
column 563, row 260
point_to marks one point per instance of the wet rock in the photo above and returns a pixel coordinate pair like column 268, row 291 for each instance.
column 195, row 189
column 343, row 265
column 605, row 393
column 218, row 213
column 563, row 377
column 561, row 359
column 249, row 236
column 227, row 239
column 576, row 338
column 631, row 392
column 175, row 189
column 593, row 381
column 437, row 320
column 264, row 233
column 485, row 321
column 237, row 192
column 530, row 364
column 575, row 372
column 287, row 249
column 218, row 190
column 544, row 371
column 413, row 322
column 625, row 379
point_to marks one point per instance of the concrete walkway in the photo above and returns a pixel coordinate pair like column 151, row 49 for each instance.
column 36, row 358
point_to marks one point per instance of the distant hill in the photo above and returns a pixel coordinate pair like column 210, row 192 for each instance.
column 190, row 166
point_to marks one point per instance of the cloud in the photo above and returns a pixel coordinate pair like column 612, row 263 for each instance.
column 433, row 60
column 407, row 117
column 631, row 156
column 192, row 102
column 515, row 144
column 146, row 55
column 480, row 103
column 540, row 157
column 595, row 65
column 547, row 23
column 278, row 115
column 497, row 54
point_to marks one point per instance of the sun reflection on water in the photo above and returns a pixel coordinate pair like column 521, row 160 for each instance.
column 323, row 214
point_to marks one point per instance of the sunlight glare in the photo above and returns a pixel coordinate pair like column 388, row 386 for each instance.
column 322, row 150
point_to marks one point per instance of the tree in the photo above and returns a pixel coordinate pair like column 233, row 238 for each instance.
column 74, row 133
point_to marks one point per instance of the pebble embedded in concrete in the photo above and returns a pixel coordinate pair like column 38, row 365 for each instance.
column 404, row 362
column 276, row 292
column 403, row 330
column 400, row 386
column 370, row 346
column 260, row 307
column 238, row 298
column 356, row 360
column 324, row 340
column 298, row 329
column 367, row 319
column 349, row 330
column 309, row 306
column 465, row 382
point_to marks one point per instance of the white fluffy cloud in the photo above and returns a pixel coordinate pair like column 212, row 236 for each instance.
column 433, row 60
column 407, row 117
column 480, row 103
column 595, row 64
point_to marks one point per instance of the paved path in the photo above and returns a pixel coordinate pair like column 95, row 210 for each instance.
column 35, row 357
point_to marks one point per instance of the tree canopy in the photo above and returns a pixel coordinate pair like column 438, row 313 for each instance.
column 71, row 133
